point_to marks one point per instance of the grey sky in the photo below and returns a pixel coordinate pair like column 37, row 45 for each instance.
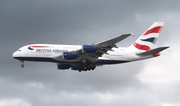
column 153, row 82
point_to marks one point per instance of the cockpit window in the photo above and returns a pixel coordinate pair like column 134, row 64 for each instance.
column 19, row 50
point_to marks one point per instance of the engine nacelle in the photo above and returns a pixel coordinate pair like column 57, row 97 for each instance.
column 63, row 66
column 89, row 48
column 69, row 55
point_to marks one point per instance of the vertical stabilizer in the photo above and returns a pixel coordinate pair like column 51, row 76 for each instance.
column 147, row 40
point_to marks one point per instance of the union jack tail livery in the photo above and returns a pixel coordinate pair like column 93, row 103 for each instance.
column 147, row 40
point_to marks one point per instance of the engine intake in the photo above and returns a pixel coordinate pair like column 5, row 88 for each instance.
column 69, row 55
column 89, row 48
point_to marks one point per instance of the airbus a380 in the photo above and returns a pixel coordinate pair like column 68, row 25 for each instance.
column 87, row 57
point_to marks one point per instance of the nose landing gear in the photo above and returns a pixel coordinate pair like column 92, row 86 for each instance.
column 22, row 65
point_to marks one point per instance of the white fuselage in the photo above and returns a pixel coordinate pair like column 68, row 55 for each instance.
column 53, row 53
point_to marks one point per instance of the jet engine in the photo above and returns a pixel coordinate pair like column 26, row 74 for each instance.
column 69, row 55
column 89, row 48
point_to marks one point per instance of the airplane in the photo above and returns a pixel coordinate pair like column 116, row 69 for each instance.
column 87, row 57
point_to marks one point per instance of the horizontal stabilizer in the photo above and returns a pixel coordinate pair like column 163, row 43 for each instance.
column 153, row 51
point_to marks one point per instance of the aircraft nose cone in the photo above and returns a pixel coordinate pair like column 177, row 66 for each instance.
column 14, row 55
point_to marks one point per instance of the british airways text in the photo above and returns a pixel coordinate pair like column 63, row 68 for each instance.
column 50, row 50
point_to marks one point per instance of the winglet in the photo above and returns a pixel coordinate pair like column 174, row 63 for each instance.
column 132, row 33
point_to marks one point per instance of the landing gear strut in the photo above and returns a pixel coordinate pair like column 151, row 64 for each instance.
column 22, row 65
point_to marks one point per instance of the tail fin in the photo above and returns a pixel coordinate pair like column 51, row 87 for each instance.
column 147, row 40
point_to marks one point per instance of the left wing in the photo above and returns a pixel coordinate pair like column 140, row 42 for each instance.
column 102, row 48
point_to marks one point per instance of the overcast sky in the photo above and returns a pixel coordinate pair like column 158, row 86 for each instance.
column 153, row 82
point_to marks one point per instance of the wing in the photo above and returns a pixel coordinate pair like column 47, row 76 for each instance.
column 113, row 41
column 102, row 48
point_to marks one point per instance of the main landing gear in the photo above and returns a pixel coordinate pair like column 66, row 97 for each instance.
column 22, row 65
column 86, row 66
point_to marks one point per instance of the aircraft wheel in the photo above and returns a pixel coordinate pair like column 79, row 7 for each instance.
column 22, row 65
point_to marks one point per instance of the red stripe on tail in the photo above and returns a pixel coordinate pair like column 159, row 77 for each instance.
column 153, row 30
column 141, row 47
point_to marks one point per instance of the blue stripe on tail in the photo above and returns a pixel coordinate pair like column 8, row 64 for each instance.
column 152, row 40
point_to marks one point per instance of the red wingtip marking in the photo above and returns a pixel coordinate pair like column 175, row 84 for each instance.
column 153, row 30
column 141, row 47
column 157, row 54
